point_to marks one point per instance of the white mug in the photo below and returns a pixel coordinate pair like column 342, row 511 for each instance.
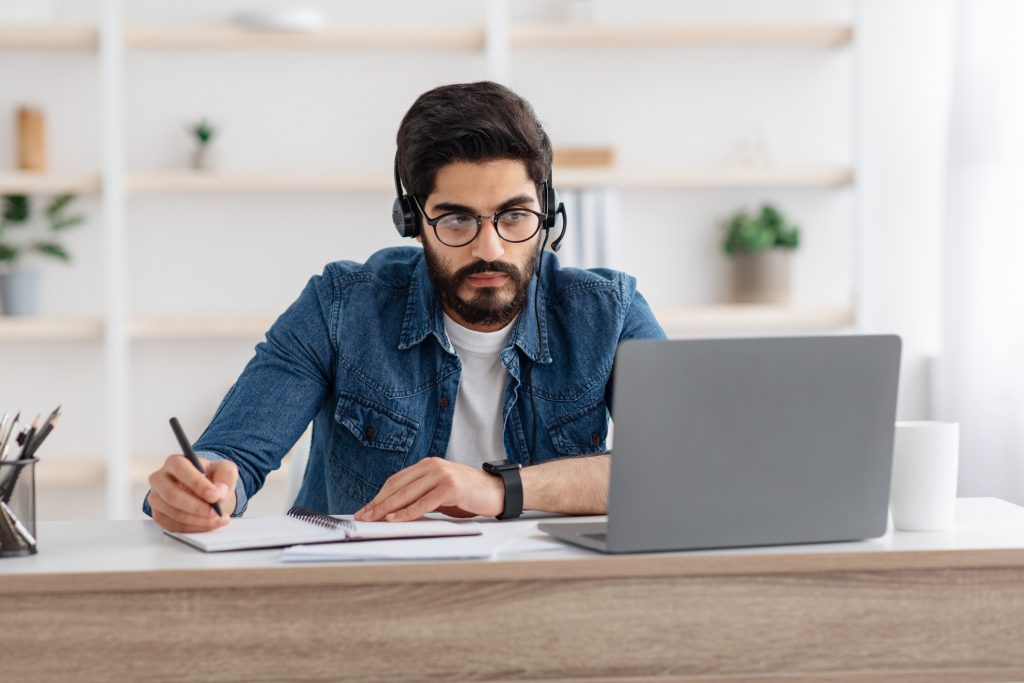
column 925, row 459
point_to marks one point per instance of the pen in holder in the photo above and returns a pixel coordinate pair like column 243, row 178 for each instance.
column 17, row 507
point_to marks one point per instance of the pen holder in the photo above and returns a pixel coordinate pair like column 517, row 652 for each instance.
column 18, row 508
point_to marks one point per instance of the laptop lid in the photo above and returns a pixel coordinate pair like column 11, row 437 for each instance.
column 740, row 442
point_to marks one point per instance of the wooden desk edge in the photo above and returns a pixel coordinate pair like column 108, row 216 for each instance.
column 597, row 568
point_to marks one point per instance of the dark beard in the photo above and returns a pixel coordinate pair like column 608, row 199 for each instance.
column 486, row 307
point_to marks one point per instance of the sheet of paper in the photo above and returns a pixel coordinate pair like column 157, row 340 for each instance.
column 493, row 537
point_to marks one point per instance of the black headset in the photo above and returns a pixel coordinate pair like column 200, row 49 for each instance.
column 406, row 215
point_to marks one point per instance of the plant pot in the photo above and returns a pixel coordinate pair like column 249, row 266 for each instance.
column 19, row 292
column 761, row 277
column 203, row 158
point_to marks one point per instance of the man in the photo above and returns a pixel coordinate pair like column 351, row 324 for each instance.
column 421, row 365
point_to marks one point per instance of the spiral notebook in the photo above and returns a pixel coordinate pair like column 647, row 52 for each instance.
column 305, row 526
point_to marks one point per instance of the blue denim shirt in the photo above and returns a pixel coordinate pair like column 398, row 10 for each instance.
column 363, row 354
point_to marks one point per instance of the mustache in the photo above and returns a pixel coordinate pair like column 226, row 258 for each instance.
column 479, row 267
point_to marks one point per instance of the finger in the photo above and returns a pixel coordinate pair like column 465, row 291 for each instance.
column 180, row 497
column 179, row 504
column 223, row 473
column 172, row 524
column 185, row 472
column 428, row 503
column 412, row 493
column 161, row 509
column 393, row 484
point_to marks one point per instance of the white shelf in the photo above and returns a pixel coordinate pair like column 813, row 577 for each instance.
column 747, row 318
column 43, row 37
column 26, row 182
column 585, row 36
column 231, row 37
column 573, row 177
column 18, row 329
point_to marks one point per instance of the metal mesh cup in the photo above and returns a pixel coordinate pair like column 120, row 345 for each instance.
column 18, row 507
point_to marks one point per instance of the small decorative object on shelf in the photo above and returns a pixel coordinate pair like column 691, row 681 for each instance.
column 19, row 284
column 203, row 132
column 761, row 247
column 583, row 156
column 31, row 140
column 286, row 19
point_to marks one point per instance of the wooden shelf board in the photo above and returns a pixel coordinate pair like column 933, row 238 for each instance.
column 44, row 37
column 15, row 329
column 682, row 320
column 228, row 183
column 229, row 36
column 704, row 178
column 196, row 327
column 569, row 177
column 753, row 318
column 26, row 182
column 597, row 36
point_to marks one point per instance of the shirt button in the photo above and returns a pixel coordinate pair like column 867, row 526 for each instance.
column 444, row 401
column 368, row 432
column 595, row 438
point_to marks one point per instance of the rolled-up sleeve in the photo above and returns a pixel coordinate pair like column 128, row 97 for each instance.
column 279, row 391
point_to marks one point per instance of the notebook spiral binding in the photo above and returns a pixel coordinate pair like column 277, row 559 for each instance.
column 320, row 519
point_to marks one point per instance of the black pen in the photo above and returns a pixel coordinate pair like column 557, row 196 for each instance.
column 186, row 447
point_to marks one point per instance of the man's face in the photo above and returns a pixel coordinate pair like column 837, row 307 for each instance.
column 483, row 284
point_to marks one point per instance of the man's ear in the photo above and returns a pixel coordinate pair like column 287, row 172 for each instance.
column 419, row 237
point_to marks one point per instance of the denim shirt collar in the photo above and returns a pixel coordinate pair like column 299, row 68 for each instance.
column 424, row 317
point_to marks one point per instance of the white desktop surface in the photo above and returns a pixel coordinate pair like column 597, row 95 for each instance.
column 140, row 545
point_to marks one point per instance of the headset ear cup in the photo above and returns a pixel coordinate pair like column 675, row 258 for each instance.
column 405, row 217
column 550, row 206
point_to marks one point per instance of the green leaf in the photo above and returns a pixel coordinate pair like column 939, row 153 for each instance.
column 59, row 204
column 17, row 208
column 65, row 223
column 8, row 253
column 52, row 249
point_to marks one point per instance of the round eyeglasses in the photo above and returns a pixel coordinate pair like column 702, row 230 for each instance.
column 457, row 229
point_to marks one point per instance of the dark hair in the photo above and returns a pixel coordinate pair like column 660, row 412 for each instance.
column 473, row 122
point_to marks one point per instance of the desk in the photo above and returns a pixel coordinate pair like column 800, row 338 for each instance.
column 120, row 601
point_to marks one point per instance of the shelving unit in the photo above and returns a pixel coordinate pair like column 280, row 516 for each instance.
column 113, row 44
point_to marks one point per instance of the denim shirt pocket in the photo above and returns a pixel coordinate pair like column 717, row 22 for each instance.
column 581, row 432
column 371, row 443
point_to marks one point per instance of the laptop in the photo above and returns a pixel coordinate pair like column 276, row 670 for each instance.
column 724, row 443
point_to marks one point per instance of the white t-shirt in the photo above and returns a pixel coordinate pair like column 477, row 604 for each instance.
column 478, row 423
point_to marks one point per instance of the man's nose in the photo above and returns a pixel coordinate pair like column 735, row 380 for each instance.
column 488, row 246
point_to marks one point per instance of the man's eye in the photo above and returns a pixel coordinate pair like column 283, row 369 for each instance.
column 514, row 217
column 458, row 220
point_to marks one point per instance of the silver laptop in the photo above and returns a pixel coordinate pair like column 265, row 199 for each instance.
column 747, row 442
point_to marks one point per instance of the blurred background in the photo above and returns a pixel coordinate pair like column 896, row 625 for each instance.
column 173, row 173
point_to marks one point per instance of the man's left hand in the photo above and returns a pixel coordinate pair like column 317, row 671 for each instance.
column 435, row 484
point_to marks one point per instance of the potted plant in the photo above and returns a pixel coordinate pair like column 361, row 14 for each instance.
column 760, row 247
column 203, row 132
column 19, row 284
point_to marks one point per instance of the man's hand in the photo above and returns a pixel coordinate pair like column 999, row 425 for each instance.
column 180, row 496
column 436, row 484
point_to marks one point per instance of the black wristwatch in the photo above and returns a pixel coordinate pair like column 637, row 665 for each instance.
column 509, row 473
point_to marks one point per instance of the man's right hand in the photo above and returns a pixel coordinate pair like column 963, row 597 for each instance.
column 180, row 495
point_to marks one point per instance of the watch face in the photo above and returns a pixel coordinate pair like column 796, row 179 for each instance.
column 496, row 465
